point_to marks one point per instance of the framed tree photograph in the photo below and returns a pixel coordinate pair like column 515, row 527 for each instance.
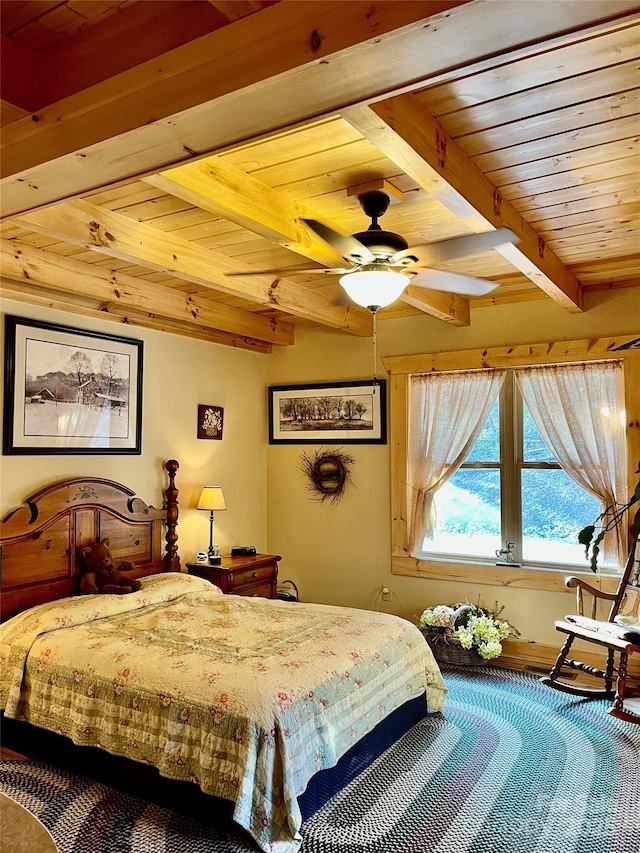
column 328, row 413
column 70, row 391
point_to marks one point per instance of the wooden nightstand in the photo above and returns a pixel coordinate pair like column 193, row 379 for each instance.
column 242, row 575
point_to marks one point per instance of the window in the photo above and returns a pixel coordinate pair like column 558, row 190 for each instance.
column 489, row 483
column 510, row 489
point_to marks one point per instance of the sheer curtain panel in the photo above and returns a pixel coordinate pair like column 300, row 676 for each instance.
column 579, row 411
column 446, row 413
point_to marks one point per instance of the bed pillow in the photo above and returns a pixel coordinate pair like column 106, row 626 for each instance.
column 178, row 581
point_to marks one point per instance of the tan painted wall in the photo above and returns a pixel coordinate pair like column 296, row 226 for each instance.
column 179, row 373
column 336, row 554
column 341, row 554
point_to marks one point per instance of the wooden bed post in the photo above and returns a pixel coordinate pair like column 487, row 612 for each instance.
column 171, row 557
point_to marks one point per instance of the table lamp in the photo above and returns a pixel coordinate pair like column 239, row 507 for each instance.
column 212, row 499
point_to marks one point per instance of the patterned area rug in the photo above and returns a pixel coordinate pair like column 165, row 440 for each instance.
column 510, row 766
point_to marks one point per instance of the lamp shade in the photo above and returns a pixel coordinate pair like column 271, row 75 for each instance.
column 212, row 499
column 373, row 287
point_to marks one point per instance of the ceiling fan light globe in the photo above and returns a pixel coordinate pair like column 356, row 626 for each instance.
column 374, row 288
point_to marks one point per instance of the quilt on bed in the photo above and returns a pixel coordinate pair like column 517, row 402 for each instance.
column 246, row 697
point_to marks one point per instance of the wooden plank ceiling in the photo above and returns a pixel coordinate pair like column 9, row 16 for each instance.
column 541, row 137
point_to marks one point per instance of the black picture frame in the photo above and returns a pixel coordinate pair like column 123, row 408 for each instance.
column 348, row 424
column 70, row 391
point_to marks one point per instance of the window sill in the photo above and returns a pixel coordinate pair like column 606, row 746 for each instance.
column 521, row 577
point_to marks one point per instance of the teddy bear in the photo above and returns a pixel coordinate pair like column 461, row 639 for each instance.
column 99, row 573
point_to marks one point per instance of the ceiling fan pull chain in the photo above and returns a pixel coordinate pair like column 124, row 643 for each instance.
column 375, row 349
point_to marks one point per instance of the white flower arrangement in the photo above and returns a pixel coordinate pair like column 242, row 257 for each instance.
column 212, row 422
column 468, row 625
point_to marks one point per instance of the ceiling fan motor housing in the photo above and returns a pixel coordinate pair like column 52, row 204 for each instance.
column 383, row 244
column 374, row 203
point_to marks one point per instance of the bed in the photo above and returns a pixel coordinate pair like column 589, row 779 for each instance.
column 267, row 704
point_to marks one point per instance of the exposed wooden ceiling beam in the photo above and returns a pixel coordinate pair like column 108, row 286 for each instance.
column 225, row 190
column 613, row 285
column 36, row 79
column 233, row 10
column 286, row 37
column 21, row 75
column 409, row 135
column 76, row 303
column 10, row 112
column 450, row 307
column 102, row 230
column 115, row 44
column 307, row 60
column 29, row 265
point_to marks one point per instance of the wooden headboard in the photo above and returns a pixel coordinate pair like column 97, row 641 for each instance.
column 40, row 538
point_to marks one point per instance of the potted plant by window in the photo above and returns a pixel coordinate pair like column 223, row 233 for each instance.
column 465, row 634
column 612, row 516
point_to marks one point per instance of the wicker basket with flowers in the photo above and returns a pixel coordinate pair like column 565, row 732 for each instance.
column 465, row 634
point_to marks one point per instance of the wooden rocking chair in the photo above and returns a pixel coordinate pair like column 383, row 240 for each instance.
column 621, row 636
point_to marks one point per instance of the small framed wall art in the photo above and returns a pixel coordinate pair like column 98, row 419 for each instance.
column 328, row 413
column 210, row 422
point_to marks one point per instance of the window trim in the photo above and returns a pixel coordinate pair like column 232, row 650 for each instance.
column 400, row 369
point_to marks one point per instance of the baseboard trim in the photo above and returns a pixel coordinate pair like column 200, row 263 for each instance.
column 543, row 655
column 536, row 669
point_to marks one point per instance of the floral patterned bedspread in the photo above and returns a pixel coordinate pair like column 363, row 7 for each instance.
column 246, row 697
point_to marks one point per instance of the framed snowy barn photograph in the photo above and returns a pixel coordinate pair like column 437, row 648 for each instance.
column 70, row 391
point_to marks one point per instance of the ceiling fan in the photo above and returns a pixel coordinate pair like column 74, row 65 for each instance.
column 382, row 264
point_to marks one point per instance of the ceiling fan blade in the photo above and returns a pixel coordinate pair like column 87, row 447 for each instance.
column 634, row 344
column 350, row 248
column 432, row 254
column 293, row 271
column 452, row 282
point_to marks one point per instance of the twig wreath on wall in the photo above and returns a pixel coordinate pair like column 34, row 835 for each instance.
column 210, row 422
column 328, row 472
